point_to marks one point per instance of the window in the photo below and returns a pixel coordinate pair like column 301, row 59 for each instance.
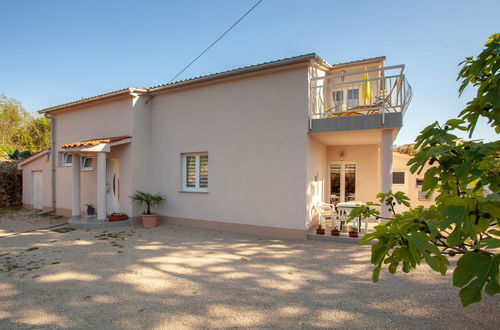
column 338, row 100
column 398, row 177
column 342, row 182
column 422, row 195
column 66, row 159
column 86, row 163
column 352, row 97
column 195, row 172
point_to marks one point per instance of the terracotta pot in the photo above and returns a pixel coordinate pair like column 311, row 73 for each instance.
column 320, row 231
column 352, row 234
column 149, row 220
column 335, row 233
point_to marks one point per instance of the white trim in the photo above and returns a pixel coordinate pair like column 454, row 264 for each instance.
column 32, row 158
column 82, row 163
column 197, row 187
column 63, row 159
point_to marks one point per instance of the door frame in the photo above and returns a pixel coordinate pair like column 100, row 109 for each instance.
column 109, row 186
column 40, row 189
column 342, row 176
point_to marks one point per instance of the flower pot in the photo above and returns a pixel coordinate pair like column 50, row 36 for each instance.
column 335, row 233
column 353, row 234
column 320, row 231
column 117, row 217
column 149, row 220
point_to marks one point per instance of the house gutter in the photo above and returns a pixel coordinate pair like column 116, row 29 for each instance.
column 53, row 165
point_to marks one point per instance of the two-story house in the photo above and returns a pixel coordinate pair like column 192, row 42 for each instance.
column 249, row 150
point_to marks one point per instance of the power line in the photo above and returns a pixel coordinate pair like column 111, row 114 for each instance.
column 219, row 38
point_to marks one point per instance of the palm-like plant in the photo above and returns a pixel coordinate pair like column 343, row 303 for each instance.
column 149, row 199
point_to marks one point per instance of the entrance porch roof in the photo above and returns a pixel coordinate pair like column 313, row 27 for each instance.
column 97, row 144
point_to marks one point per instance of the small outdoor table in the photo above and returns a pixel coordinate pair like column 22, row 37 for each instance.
column 344, row 208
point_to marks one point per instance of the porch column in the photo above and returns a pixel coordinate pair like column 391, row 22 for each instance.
column 75, row 205
column 386, row 168
column 342, row 182
column 101, row 186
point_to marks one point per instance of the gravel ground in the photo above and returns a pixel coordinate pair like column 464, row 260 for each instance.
column 177, row 277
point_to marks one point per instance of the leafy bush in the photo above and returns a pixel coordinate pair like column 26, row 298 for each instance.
column 466, row 178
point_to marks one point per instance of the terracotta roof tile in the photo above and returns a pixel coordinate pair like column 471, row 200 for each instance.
column 94, row 142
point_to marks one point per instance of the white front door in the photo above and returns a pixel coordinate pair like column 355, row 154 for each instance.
column 37, row 190
column 113, row 186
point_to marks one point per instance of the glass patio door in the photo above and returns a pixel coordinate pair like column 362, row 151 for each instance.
column 342, row 182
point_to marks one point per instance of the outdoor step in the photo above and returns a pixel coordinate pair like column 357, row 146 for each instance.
column 343, row 238
column 91, row 222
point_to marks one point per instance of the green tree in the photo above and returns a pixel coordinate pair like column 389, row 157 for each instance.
column 463, row 223
column 33, row 134
column 12, row 115
column 20, row 132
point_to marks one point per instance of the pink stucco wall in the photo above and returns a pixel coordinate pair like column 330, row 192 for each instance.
column 410, row 188
column 366, row 158
column 255, row 132
column 43, row 165
column 92, row 121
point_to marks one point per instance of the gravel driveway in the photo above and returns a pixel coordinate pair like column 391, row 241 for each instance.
column 178, row 277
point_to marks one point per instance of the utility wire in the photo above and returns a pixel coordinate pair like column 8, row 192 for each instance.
column 219, row 38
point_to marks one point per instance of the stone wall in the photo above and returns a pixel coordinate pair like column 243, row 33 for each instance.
column 11, row 191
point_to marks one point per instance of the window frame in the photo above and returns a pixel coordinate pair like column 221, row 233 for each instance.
column 196, row 188
column 64, row 157
column 422, row 195
column 352, row 99
column 82, row 163
column 404, row 178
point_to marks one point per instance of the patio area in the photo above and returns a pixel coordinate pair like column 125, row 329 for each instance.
column 178, row 277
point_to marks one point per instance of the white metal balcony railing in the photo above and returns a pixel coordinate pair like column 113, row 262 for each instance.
column 367, row 92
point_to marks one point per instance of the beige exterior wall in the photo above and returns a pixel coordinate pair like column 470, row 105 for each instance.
column 317, row 178
column 399, row 162
column 326, row 93
column 255, row 132
column 366, row 158
column 93, row 121
column 263, row 164
column 43, row 165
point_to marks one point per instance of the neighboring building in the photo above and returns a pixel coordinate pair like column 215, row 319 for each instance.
column 411, row 184
column 249, row 150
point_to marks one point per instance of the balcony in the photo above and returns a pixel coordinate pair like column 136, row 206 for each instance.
column 375, row 98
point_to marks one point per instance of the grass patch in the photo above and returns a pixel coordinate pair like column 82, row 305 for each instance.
column 10, row 209
column 32, row 249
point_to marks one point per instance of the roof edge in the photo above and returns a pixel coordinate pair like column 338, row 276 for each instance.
column 357, row 62
column 247, row 69
column 64, row 106
column 220, row 75
column 32, row 158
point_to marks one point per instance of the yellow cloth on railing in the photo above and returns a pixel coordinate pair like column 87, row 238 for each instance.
column 366, row 89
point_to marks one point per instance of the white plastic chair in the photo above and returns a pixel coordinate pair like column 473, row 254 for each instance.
column 325, row 211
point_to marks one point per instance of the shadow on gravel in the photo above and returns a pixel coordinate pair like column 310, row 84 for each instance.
column 175, row 276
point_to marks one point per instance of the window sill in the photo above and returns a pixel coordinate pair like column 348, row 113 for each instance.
column 192, row 192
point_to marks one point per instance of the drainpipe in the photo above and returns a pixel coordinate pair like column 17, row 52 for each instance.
column 54, row 159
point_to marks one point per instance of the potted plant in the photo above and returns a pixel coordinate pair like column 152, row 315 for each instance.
column 353, row 232
column 149, row 220
column 320, row 230
column 117, row 217
column 90, row 209
column 335, row 231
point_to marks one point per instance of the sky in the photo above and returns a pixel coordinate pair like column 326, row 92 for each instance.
column 54, row 52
